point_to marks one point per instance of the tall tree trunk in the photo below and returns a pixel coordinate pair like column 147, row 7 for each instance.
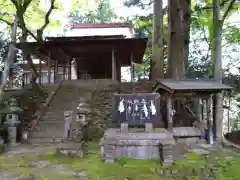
column 218, row 73
column 157, row 63
column 186, row 6
column 176, row 67
column 9, row 60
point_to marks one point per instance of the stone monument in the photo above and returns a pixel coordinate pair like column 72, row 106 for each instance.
column 148, row 143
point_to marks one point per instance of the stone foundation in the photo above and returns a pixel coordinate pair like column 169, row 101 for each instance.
column 71, row 149
column 137, row 145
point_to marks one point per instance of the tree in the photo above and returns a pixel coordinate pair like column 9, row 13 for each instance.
column 102, row 13
column 23, row 9
column 9, row 58
column 217, row 60
column 157, row 70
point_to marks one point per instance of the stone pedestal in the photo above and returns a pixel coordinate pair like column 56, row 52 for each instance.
column 70, row 148
column 137, row 145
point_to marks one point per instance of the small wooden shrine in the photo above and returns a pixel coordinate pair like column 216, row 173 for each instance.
column 175, row 95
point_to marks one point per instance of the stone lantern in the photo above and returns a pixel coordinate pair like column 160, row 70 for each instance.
column 81, row 120
column 12, row 112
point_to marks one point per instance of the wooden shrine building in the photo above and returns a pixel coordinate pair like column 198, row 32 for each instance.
column 98, row 57
column 176, row 103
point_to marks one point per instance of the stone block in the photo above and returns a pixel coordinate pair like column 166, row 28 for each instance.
column 186, row 132
column 137, row 145
column 149, row 127
column 124, row 127
column 71, row 149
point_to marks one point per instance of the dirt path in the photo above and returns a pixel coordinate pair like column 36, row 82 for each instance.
column 27, row 163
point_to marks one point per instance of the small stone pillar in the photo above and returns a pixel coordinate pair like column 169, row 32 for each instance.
column 68, row 117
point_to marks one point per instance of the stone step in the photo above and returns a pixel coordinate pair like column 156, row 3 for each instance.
column 36, row 140
column 58, row 115
column 57, row 118
column 49, row 127
column 50, row 133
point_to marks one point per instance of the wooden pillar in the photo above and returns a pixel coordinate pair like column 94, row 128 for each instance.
column 169, row 114
column 54, row 71
column 49, row 68
column 40, row 72
column 199, row 107
column 56, row 74
column 208, row 119
column 70, row 70
column 114, row 70
column 132, row 67
column 64, row 71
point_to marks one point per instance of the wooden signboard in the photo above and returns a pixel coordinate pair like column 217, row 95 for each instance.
column 136, row 109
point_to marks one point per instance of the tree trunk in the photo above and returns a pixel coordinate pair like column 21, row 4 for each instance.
column 218, row 73
column 176, row 67
column 28, row 58
column 186, row 5
column 157, row 70
column 9, row 60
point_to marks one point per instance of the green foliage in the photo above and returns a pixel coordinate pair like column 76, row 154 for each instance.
column 29, row 100
column 102, row 13
column 34, row 16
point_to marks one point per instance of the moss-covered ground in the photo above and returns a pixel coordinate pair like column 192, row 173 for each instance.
column 218, row 165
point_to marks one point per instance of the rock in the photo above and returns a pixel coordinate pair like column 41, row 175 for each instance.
column 39, row 164
column 199, row 151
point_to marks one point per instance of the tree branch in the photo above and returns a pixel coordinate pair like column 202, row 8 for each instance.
column 40, row 31
column 229, row 8
column 28, row 31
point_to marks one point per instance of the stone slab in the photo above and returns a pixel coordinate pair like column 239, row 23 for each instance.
column 186, row 132
column 133, row 137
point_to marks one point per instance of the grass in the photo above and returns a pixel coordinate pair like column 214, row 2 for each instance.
column 135, row 169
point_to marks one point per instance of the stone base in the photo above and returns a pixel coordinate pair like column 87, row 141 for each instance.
column 71, row 149
column 137, row 145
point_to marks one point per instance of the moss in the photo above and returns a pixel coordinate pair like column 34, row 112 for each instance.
column 2, row 148
column 222, row 162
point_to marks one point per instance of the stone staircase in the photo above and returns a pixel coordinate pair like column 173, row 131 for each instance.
column 50, row 127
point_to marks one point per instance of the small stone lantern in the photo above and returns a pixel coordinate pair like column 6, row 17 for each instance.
column 81, row 120
column 12, row 112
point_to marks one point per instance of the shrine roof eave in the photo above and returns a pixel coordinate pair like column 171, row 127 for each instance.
column 60, row 47
column 197, row 85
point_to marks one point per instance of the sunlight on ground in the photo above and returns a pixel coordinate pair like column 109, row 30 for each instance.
column 136, row 169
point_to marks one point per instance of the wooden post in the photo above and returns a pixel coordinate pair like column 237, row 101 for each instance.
column 54, row 71
column 40, row 72
column 49, row 68
column 169, row 114
column 132, row 68
column 64, row 71
column 114, row 77
column 209, row 123
column 70, row 70
column 56, row 74
column 200, row 110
